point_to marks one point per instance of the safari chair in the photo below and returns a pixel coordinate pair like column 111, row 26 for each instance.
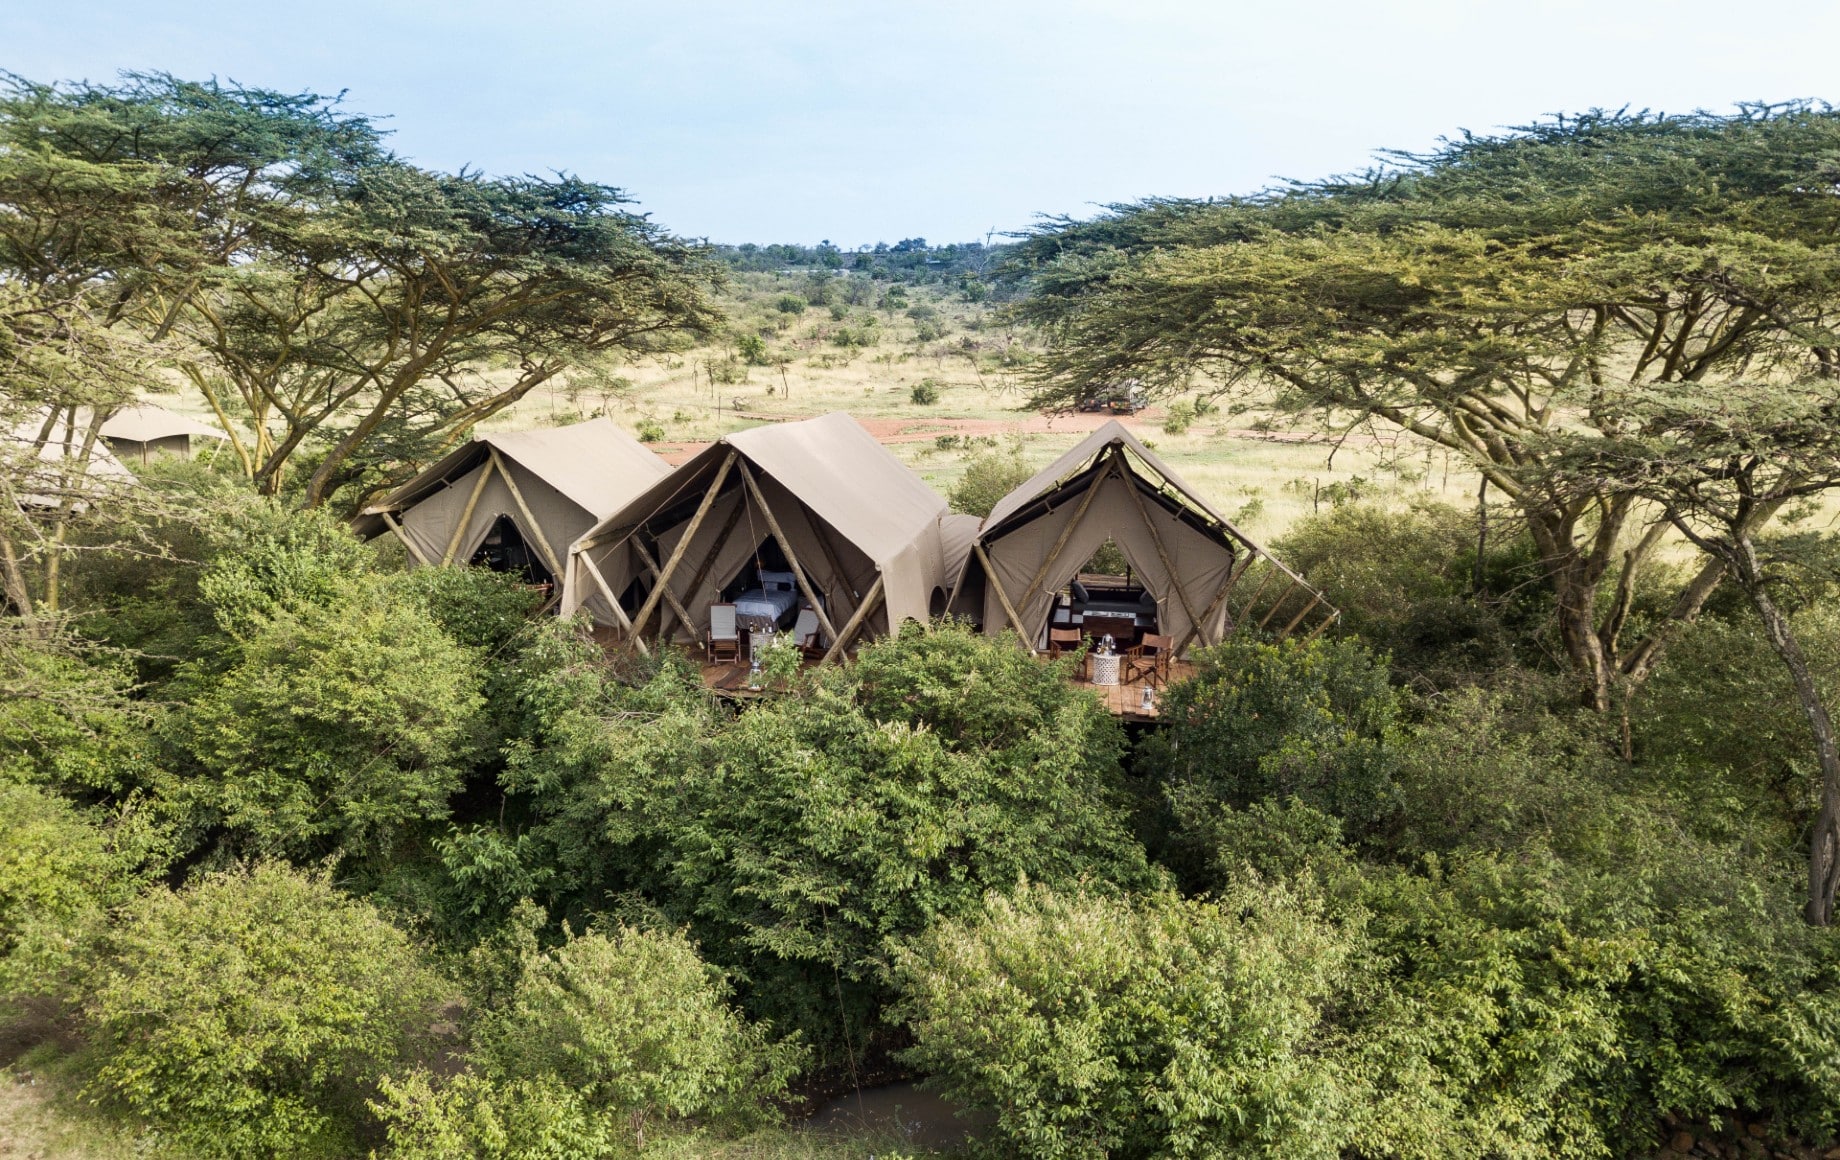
column 723, row 640
column 1066, row 640
column 1148, row 660
column 805, row 634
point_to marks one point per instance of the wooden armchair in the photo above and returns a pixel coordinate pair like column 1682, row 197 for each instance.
column 1066, row 640
column 723, row 640
column 805, row 634
column 1148, row 660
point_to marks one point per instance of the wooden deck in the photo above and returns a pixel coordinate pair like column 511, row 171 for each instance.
column 1125, row 701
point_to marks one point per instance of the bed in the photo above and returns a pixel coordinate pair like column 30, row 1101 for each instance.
column 769, row 604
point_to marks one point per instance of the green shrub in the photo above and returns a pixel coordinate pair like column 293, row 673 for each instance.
column 472, row 1117
column 273, row 562
column 799, row 839
column 1311, row 721
column 637, row 1025
column 1179, row 417
column 650, row 431
column 1403, row 582
column 249, row 1014
column 791, row 304
column 753, row 350
column 336, row 727
column 989, row 477
column 1096, row 1027
column 60, row 873
column 925, row 392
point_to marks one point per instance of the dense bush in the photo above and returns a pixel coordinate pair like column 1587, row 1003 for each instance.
column 1099, row 1027
column 799, row 839
column 637, row 1025
column 250, row 1014
column 60, row 873
column 989, row 477
column 335, row 726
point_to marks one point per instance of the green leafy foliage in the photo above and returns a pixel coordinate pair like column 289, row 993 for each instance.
column 1311, row 721
column 636, row 1024
column 248, row 1014
column 1099, row 1027
column 989, row 477
column 334, row 727
column 801, row 838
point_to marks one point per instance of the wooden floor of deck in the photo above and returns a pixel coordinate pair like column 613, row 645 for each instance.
column 1122, row 700
column 1125, row 701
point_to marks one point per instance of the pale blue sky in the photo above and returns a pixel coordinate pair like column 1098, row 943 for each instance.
column 864, row 122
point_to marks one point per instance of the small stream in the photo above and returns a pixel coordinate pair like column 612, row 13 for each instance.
column 901, row 1111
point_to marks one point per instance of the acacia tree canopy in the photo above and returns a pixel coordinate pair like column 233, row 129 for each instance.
column 1483, row 297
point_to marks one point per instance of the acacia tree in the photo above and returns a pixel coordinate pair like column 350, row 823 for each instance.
column 1484, row 297
column 383, row 326
column 335, row 303
column 1721, row 463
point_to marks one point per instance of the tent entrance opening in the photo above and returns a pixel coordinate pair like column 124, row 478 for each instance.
column 505, row 550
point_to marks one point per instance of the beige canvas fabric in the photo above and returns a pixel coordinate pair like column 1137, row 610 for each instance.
column 569, row 477
column 1022, row 530
column 146, row 423
column 852, row 512
column 39, row 473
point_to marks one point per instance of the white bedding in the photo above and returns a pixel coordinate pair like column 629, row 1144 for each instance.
column 759, row 607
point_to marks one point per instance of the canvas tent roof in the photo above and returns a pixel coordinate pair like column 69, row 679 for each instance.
column 38, row 469
column 1110, row 486
column 564, row 478
column 145, row 422
column 857, row 518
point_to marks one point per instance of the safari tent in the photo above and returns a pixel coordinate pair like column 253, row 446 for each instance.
column 45, row 457
column 1186, row 559
column 813, row 513
column 515, row 501
column 142, row 431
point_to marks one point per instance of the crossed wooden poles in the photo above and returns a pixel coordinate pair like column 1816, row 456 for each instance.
column 493, row 465
column 662, row 574
column 1115, row 466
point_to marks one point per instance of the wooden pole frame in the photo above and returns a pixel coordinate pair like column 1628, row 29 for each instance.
column 1079, row 515
column 852, row 626
column 389, row 521
column 1279, row 603
column 1162, row 553
column 990, row 577
column 1220, row 598
column 785, row 545
column 670, row 597
column 600, row 581
column 683, row 543
column 536, row 529
column 466, row 516
column 715, row 548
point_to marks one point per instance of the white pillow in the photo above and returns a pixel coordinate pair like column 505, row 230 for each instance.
column 773, row 580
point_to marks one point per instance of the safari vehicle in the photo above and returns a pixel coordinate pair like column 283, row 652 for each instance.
column 1125, row 399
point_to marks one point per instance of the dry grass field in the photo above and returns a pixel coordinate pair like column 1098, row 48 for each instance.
column 1263, row 478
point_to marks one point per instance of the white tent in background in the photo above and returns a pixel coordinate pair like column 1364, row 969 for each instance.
column 813, row 512
column 515, row 501
column 144, row 430
column 43, row 456
column 1187, row 557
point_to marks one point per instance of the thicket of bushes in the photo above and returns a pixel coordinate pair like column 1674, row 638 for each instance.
column 318, row 858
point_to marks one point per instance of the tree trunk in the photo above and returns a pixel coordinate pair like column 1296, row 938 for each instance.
column 1824, row 842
